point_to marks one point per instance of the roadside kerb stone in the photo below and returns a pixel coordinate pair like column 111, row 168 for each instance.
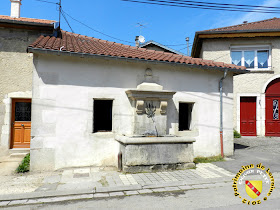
column 57, row 199
column 118, row 188
column 166, row 184
column 132, row 192
column 145, row 191
column 101, row 195
column 172, row 188
column 186, row 187
column 112, row 194
column 4, row 203
column 17, row 202
column 44, row 194
column 159, row 190
column 199, row 186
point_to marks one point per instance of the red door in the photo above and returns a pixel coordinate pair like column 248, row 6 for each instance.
column 272, row 100
column 248, row 116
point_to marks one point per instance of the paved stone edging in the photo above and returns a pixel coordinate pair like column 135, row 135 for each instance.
column 103, row 192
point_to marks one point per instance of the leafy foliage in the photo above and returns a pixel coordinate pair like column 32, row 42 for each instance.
column 236, row 134
column 24, row 166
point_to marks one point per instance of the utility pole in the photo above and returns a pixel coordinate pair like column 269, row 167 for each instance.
column 59, row 12
column 187, row 40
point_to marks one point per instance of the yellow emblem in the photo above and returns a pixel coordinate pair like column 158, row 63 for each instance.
column 253, row 188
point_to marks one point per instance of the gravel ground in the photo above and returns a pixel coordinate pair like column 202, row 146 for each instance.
column 12, row 182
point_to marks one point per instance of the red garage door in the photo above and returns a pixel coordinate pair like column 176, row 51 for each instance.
column 248, row 116
column 272, row 100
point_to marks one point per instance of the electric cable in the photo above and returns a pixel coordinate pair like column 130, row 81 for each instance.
column 67, row 21
column 50, row 2
column 163, row 3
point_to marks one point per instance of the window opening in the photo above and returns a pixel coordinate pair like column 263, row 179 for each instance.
column 185, row 116
column 102, row 115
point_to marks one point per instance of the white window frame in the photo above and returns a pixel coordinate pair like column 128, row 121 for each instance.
column 254, row 48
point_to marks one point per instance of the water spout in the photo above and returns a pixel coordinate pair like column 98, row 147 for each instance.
column 150, row 111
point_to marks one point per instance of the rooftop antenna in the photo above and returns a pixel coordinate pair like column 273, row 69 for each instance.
column 141, row 26
column 59, row 4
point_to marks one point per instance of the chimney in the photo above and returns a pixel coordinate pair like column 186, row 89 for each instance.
column 137, row 41
column 15, row 8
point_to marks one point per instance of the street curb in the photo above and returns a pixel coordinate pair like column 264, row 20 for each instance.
column 118, row 188
column 103, row 192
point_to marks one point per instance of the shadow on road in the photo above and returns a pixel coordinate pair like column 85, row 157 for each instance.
column 239, row 146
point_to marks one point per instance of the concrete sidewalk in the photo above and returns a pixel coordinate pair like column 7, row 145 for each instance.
column 87, row 183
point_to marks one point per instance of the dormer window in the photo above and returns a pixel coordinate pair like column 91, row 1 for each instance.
column 252, row 57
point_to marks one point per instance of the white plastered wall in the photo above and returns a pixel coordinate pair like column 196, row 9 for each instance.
column 62, row 110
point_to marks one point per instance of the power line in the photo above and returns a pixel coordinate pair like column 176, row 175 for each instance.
column 185, row 47
column 167, row 3
column 63, row 12
column 50, row 2
column 215, row 5
column 67, row 22
column 95, row 29
column 171, row 45
column 238, row 5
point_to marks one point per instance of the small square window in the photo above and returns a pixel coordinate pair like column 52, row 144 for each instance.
column 185, row 116
column 102, row 115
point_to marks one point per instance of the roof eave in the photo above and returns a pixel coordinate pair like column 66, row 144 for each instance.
column 237, row 31
column 196, row 48
column 84, row 55
column 27, row 23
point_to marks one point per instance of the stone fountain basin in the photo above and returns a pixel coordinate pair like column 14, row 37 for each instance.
column 153, row 140
column 141, row 154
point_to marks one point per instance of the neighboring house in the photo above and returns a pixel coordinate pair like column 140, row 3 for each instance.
column 152, row 45
column 255, row 45
column 91, row 99
column 16, row 68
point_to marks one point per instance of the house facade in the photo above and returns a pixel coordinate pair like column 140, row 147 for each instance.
column 16, row 68
column 94, row 100
column 256, row 46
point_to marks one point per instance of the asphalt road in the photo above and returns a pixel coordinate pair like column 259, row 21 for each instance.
column 252, row 150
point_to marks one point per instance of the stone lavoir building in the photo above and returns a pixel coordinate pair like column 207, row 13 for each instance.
column 256, row 46
column 100, row 103
column 16, row 68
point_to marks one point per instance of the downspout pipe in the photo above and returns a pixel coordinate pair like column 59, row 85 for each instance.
column 221, row 112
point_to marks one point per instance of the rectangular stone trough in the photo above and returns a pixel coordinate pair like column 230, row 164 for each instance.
column 146, row 154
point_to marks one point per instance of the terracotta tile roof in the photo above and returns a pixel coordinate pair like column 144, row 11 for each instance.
column 76, row 43
column 29, row 20
column 269, row 24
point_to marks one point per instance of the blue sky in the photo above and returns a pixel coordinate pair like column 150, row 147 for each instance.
column 166, row 25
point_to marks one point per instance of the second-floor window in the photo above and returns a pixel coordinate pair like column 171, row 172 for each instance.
column 252, row 57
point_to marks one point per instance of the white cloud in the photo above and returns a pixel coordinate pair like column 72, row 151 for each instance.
column 251, row 17
column 227, row 19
